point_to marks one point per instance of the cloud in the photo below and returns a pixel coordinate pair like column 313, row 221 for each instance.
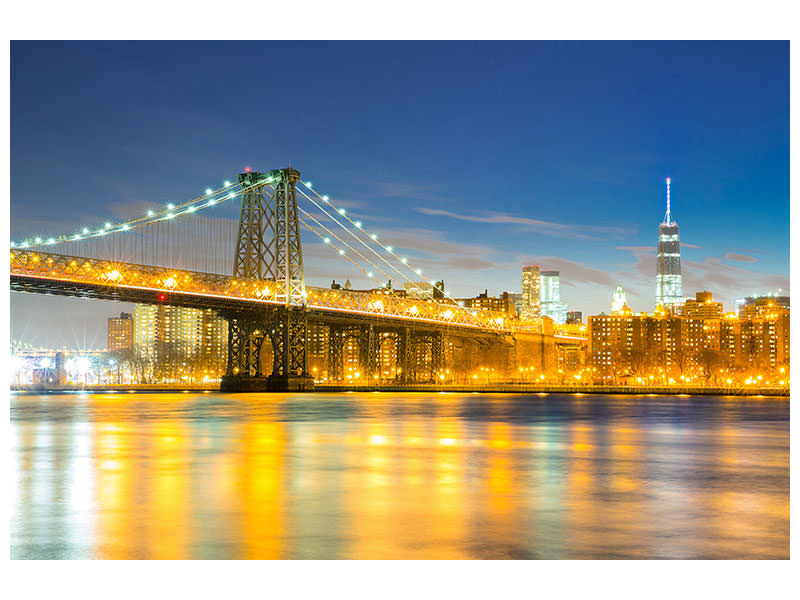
column 636, row 249
column 728, row 282
column 386, row 189
column 688, row 245
column 563, row 230
column 740, row 257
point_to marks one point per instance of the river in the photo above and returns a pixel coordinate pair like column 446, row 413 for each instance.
column 398, row 476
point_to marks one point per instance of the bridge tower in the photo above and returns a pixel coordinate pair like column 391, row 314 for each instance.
column 268, row 247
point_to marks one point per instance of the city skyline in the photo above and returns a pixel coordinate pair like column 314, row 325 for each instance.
column 596, row 224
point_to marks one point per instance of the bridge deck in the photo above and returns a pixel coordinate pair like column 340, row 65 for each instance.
column 49, row 273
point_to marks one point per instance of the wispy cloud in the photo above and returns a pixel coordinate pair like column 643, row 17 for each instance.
column 740, row 257
column 410, row 191
column 563, row 230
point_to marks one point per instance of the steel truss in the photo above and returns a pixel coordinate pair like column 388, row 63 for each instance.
column 43, row 272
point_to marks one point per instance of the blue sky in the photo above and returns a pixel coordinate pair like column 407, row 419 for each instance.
column 475, row 158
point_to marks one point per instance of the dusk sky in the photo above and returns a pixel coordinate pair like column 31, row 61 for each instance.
column 475, row 158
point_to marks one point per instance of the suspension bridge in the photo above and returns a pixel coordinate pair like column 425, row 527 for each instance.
column 180, row 255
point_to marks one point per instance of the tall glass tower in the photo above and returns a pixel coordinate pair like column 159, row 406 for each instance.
column 669, row 289
column 550, row 297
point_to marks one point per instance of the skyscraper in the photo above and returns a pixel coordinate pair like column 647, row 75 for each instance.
column 550, row 297
column 530, row 292
column 669, row 289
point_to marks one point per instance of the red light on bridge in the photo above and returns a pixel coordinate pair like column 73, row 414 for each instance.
column 162, row 297
column 247, row 169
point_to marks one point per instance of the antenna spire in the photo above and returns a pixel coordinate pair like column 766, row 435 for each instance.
column 668, row 217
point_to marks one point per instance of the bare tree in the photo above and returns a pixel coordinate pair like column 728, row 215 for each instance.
column 709, row 361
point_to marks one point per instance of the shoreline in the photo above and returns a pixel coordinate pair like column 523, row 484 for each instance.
column 509, row 388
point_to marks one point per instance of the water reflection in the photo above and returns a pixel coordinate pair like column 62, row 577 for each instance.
column 175, row 476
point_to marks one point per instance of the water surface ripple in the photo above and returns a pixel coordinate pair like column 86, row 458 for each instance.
column 398, row 476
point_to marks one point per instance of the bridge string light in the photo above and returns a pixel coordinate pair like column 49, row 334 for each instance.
column 214, row 197
column 342, row 212
column 360, row 227
column 367, row 246
column 339, row 250
column 310, row 216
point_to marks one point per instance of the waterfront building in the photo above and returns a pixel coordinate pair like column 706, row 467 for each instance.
column 531, row 293
column 181, row 341
column 669, row 287
column 120, row 332
column 318, row 337
column 639, row 344
column 701, row 339
column 550, row 297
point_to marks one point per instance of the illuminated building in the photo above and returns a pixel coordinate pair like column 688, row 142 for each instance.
column 669, row 289
column 702, row 307
column 550, row 297
column 530, row 292
column 574, row 317
column 120, row 332
column 318, row 336
column 504, row 304
column 424, row 289
column 759, row 306
column 624, row 342
column 618, row 301
column 177, row 334
column 517, row 299
column 765, row 335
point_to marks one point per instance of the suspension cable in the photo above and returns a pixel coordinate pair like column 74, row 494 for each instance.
column 362, row 242
column 327, row 241
column 373, row 237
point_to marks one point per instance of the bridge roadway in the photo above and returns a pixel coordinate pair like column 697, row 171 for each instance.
column 58, row 274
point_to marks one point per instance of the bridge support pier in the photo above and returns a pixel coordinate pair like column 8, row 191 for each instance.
column 286, row 329
column 289, row 330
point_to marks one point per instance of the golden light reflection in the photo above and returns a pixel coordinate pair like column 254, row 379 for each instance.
column 167, row 479
column 261, row 486
column 116, row 491
column 168, row 520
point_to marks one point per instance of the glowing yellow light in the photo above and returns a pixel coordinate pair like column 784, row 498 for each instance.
column 170, row 282
column 114, row 276
column 377, row 440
